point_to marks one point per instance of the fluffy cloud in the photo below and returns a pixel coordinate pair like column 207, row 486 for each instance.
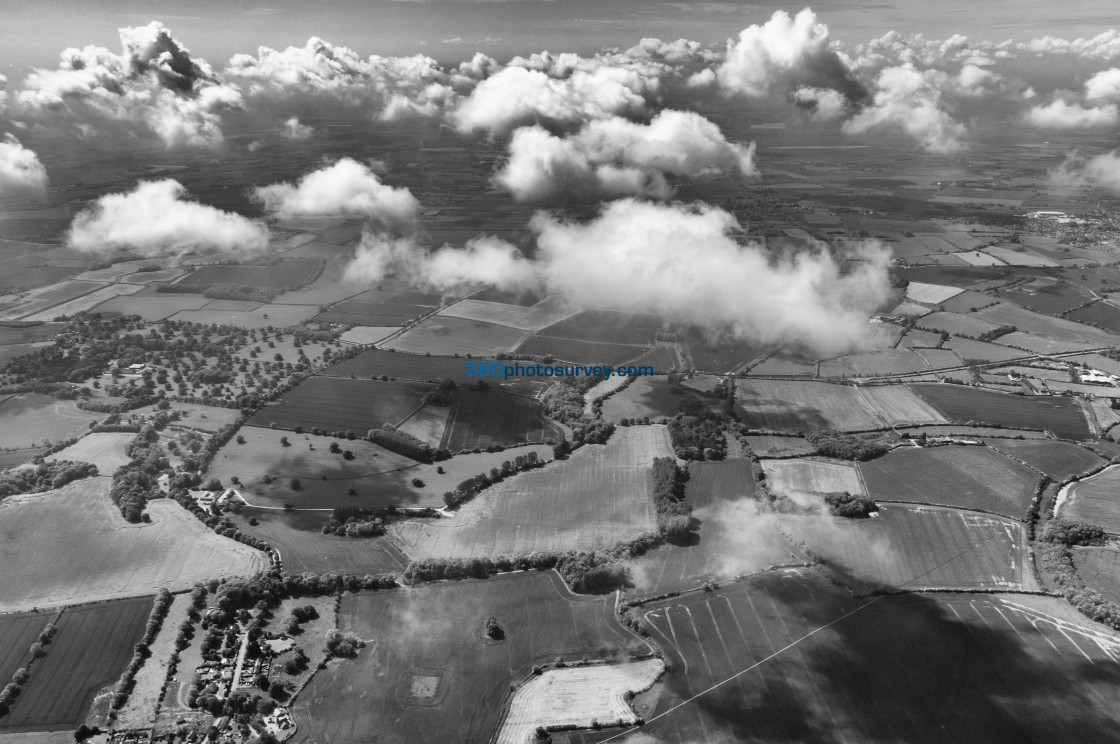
column 344, row 188
column 825, row 104
column 785, row 52
column 155, row 219
column 20, row 169
column 1101, row 171
column 1103, row 85
column 292, row 129
column 681, row 262
column 910, row 100
column 484, row 260
column 1105, row 45
column 154, row 80
column 614, row 157
column 1062, row 115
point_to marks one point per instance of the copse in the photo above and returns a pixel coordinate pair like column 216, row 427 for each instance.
column 674, row 514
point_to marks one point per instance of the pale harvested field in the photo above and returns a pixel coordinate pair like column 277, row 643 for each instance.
column 204, row 418
column 1043, row 344
column 105, row 450
column 447, row 336
column 577, row 697
column 969, row 350
column 896, row 404
column 792, row 405
column 802, row 478
column 427, row 424
column 72, row 545
column 367, row 334
column 31, row 418
column 598, row 497
column 1096, row 500
column 85, row 302
column 1044, row 325
column 152, row 307
column 543, row 314
column 140, row 710
column 262, row 316
column 930, row 294
column 954, row 323
column 49, row 296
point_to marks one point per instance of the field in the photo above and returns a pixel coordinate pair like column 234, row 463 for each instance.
column 11, row 458
column 1100, row 569
column 802, row 479
column 966, row 476
column 779, row 405
column 720, row 358
column 775, row 446
column 365, row 334
column 1100, row 314
column 258, row 316
column 645, row 396
column 29, row 334
column 479, row 419
column 533, row 318
column 580, row 352
column 84, row 303
column 17, row 633
column 337, row 404
column 916, row 547
column 930, row 294
column 92, row 648
column 303, row 547
column 1096, row 500
column 1043, row 344
column 449, row 336
column 598, row 497
column 140, row 710
column 969, row 351
column 356, row 312
column 889, row 362
column 429, row 672
column 1046, row 295
column 1019, row 671
column 1057, row 459
column 960, row 403
column 577, row 697
column 605, row 326
column 152, row 306
column 31, row 418
column 105, row 450
column 1045, row 325
column 955, row 324
column 428, row 424
column 288, row 272
column 377, row 362
column 204, row 418
column 72, row 545
column 47, row 297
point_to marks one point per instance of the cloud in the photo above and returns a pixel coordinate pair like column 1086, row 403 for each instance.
column 1062, row 115
column 484, row 260
column 614, row 157
column 345, row 188
column 155, row 219
column 20, row 169
column 1105, row 46
column 154, row 81
column 825, row 104
column 1104, row 85
column 292, row 129
column 1101, row 171
column 681, row 262
column 785, row 52
column 910, row 100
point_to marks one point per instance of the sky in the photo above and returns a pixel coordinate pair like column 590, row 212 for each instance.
column 33, row 32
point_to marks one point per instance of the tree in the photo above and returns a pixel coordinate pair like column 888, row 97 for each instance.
column 296, row 484
column 284, row 442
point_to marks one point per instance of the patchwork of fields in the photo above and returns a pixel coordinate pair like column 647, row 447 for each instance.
column 796, row 406
column 960, row 403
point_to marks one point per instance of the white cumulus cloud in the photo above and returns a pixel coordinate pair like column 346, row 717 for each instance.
column 345, row 188
column 1059, row 114
column 20, row 169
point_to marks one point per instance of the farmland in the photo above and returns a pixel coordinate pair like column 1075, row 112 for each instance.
column 286, row 273
column 777, row 405
column 449, row 336
column 1096, row 500
column 31, row 418
column 956, row 325
column 337, row 404
column 481, row 418
column 596, row 498
column 303, row 547
column 580, row 352
column 889, row 362
column 1047, row 296
column 1100, row 569
column 801, row 479
column 17, row 632
column 965, row 476
column 72, row 545
column 1003, row 650
column 645, row 396
column 775, row 446
column 437, row 633
column 140, row 710
column 1100, row 314
column 93, row 645
column 1057, row 459
column 959, row 403
column 105, row 450
column 533, row 318
column 377, row 362
column 605, row 326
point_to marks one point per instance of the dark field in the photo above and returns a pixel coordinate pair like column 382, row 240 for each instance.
column 1051, row 300
column 954, row 276
column 969, row 477
column 92, row 648
column 974, row 669
column 580, row 352
column 303, row 547
column 959, row 403
column 1100, row 569
column 721, row 358
column 377, row 362
column 11, row 458
column 289, row 272
column 605, row 326
column 438, row 630
column 1057, row 459
column 29, row 334
column 1099, row 314
column 338, row 404
column 17, row 633
column 495, row 417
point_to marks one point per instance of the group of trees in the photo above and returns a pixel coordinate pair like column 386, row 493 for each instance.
column 143, row 649
column 674, row 514
column 45, row 476
column 406, row 444
column 270, row 587
column 467, row 490
column 847, row 446
column 846, row 505
column 343, row 645
column 12, row 690
column 1056, row 545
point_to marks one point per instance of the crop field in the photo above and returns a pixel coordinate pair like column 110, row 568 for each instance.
column 722, row 357
column 84, row 303
column 960, row 403
column 339, row 404
column 662, row 358
column 897, row 405
column 152, row 306
column 597, row 497
column 72, row 545
column 17, row 632
column 1045, row 325
column 930, row 294
column 533, row 318
column 430, row 674
column 372, row 313
column 31, row 418
column 1103, row 413
column 1046, row 295
column 580, row 352
column 968, row 301
column 288, row 272
column 11, row 458
column 645, row 396
column 1100, row 314
column 957, row 276
column 449, row 336
column 880, row 363
column 878, row 671
column 981, row 351
column 779, row 405
column 1043, row 344
column 606, row 326
column 29, row 334
column 920, row 339
column 954, row 324
column 105, row 450
column 479, row 419
column 1096, row 500
column 304, row 548
column 801, row 479
column 981, row 432
column 1100, row 569
column 966, row 476
column 47, row 297
column 577, row 696
column 377, row 362
column 366, row 334
column 1019, row 256
column 143, row 701
column 766, row 445
column 916, row 547
column 1057, row 459
column 428, row 424
column 260, row 316
column 92, row 648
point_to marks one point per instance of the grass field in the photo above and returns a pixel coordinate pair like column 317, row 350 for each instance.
column 72, row 545
column 93, row 645
column 774, row 446
column 580, row 352
column 140, row 710
column 105, row 450
column 428, row 424
column 930, row 294
column 606, row 326
column 802, row 479
column 534, row 318
column 577, row 697
column 793, row 405
column 31, row 418
column 11, row 458
column 954, row 324
column 365, row 334
column 966, row 476
column 303, row 547
column 1046, row 295
column 47, row 297
column 29, row 334
column 430, row 674
column 879, row 673
column 980, row 351
column 897, row 405
column 1045, row 325
column 645, row 396
column 594, row 499
column 721, row 357
column 82, row 304
column 960, row 403
column 1100, row 569
column 341, row 404
column 260, row 316
column 288, row 272
column 377, row 362
column 204, row 418
column 1057, row 459
column 152, row 306
column 915, row 547
column 449, row 336
column 479, row 419
column 1096, row 500
column 1037, row 344
column 879, row 363
column 1100, row 314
